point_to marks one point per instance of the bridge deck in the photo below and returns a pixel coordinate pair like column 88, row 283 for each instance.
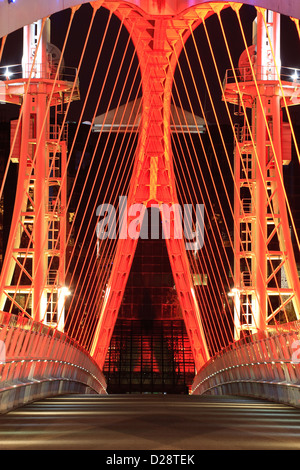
column 144, row 422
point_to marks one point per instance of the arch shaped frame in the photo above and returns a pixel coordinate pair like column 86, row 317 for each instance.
column 14, row 16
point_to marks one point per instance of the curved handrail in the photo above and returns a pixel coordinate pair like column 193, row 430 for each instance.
column 265, row 365
column 38, row 361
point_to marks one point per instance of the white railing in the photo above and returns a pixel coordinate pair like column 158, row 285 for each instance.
column 266, row 365
column 37, row 362
column 40, row 71
column 246, row 74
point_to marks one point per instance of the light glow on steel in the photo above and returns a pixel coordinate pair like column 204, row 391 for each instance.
column 169, row 142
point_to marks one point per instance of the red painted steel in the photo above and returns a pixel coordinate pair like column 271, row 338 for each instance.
column 259, row 159
column 153, row 182
column 15, row 16
column 40, row 204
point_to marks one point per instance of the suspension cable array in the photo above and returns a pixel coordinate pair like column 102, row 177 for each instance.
column 145, row 113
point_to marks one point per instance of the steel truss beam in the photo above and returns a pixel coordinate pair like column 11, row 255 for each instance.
column 33, row 273
column 263, row 246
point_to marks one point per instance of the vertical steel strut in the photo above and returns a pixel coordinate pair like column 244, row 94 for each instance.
column 266, row 277
column 153, row 183
column 33, row 274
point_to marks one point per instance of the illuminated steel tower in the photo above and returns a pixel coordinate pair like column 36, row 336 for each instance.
column 158, row 42
column 33, row 274
column 266, row 277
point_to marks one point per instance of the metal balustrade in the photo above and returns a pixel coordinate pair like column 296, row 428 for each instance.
column 266, row 365
column 246, row 74
column 37, row 362
column 17, row 71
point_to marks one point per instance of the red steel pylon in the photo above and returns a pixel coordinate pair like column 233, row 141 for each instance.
column 33, row 273
column 266, row 277
column 158, row 44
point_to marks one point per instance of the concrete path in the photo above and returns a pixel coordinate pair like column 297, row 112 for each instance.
column 150, row 422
